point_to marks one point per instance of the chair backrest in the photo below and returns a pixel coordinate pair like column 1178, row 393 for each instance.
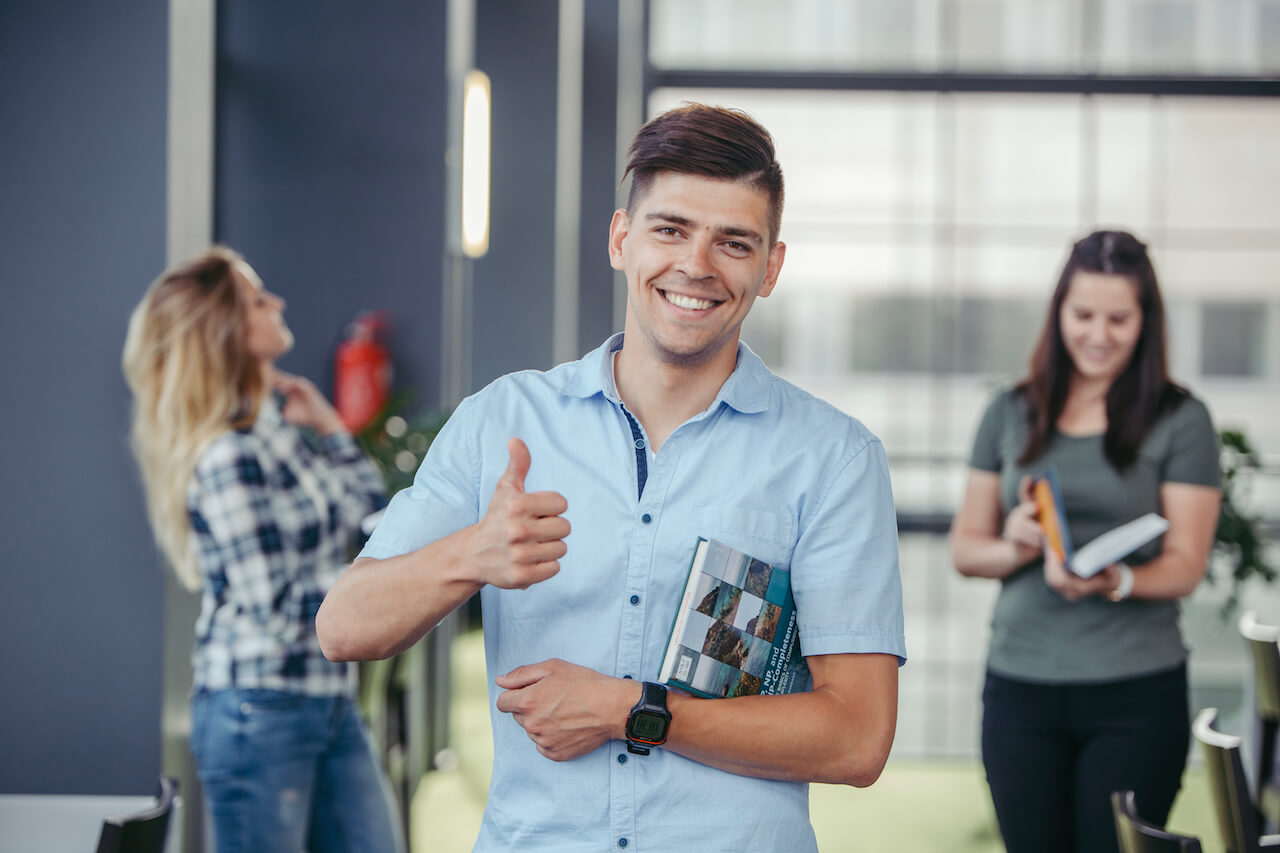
column 1232, row 804
column 1263, row 650
column 1138, row 836
column 143, row 832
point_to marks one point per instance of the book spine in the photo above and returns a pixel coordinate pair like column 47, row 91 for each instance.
column 682, row 612
column 785, row 655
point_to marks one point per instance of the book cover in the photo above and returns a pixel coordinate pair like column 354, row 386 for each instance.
column 735, row 631
column 1114, row 545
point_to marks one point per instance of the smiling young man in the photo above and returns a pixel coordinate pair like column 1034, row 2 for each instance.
column 572, row 501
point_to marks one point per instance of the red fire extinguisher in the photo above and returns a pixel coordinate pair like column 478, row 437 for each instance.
column 362, row 371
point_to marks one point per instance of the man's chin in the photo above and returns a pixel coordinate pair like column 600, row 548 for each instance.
column 691, row 354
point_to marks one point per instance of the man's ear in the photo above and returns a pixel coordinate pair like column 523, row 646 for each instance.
column 773, row 267
column 618, row 229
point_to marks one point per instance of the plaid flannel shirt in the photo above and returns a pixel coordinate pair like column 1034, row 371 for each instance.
column 275, row 513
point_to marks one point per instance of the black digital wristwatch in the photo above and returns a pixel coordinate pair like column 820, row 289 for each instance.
column 649, row 720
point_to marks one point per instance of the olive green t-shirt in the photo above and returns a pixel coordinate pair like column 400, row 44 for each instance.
column 1036, row 634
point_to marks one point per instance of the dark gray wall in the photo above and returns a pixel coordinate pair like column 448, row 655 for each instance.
column 330, row 169
column 82, row 225
column 513, row 285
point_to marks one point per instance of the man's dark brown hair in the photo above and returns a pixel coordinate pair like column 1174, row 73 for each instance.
column 713, row 142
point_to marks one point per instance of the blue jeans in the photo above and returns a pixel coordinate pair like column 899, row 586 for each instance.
column 286, row 773
column 1054, row 753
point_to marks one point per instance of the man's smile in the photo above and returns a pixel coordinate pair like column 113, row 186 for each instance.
column 690, row 303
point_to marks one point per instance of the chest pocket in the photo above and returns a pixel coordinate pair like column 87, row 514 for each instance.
column 765, row 535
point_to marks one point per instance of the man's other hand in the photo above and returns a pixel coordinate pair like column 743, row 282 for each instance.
column 567, row 710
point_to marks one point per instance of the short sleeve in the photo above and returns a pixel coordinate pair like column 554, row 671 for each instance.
column 1194, row 455
column 986, row 455
column 443, row 498
column 844, row 570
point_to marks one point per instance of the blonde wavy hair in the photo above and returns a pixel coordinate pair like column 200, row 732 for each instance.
column 192, row 377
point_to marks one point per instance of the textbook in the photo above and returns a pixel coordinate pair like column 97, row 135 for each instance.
column 735, row 632
column 1115, row 544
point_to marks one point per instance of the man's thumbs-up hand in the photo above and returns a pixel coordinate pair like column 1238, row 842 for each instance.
column 520, row 540
column 517, row 468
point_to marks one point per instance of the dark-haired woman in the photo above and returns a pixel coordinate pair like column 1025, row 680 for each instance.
column 1086, row 686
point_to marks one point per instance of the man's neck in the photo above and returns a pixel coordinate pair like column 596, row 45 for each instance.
column 662, row 395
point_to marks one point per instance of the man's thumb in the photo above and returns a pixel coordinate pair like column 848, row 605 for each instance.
column 518, row 467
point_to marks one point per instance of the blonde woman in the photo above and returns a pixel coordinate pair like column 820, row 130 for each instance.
column 254, row 498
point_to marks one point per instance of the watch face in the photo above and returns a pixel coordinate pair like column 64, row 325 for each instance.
column 647, row 727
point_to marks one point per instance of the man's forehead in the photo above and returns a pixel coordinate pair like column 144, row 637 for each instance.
column 715, row 202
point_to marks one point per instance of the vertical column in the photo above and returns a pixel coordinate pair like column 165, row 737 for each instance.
column 632, row 93
column 568, row 210
column 455, row 331
column 188, row 230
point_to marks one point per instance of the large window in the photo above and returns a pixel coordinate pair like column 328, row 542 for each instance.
column 926, row 229
column 1240, row 37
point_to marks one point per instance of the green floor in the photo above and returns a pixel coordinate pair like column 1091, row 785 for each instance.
column 926, row 806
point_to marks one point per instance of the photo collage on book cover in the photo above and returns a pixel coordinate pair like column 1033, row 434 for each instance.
column 727, row 641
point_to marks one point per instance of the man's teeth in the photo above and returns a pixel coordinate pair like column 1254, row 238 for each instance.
column 688, row 302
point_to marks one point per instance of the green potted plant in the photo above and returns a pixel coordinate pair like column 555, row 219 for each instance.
column 398, row 442
column 1238, row 547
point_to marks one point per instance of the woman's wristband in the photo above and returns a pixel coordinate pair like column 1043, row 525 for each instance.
column 1125, row 588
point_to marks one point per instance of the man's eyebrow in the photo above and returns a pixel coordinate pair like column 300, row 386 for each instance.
column 744, row 233
column 685, row 222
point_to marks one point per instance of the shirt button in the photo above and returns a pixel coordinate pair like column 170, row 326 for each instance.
column 245, row 708
column 622, row 758
column 646, row 518
column 622, row 842
column 635, row 599
column 639, row 444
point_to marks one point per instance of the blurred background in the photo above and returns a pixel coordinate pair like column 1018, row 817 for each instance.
column 940, row 157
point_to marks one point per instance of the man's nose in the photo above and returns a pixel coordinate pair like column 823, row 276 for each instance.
column 696, row 262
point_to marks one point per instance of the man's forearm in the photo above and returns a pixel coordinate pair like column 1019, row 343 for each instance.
column 833, row 734
column 379, row 608
column 840, row 732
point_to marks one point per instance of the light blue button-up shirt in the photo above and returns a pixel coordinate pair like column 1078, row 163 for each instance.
column 768, row 469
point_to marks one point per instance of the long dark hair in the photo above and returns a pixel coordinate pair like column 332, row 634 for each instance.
column 1141, row 393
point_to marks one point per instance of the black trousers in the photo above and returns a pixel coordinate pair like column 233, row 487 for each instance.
column 1055, row 752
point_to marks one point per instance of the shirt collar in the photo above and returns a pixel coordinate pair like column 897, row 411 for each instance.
column 746, row 389
column 270, row 415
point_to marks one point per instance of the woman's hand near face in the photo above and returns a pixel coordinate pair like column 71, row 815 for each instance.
column 304, row 405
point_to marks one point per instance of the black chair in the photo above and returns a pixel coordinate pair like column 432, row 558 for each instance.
column 1234, row 808
column 1265, row 654
column 1137, row 836
column 143, row 832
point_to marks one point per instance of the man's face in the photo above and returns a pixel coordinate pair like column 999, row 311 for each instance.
column 696, row 255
